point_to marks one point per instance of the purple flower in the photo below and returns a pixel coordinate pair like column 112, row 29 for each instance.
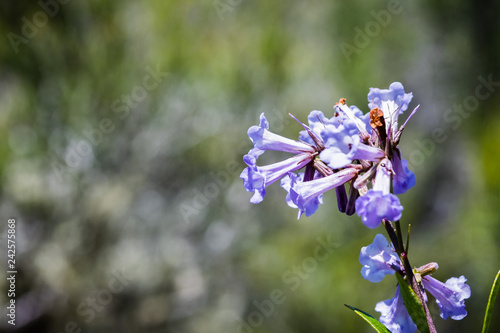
column 375, row 206
column 317, row 122
column 378, row 259
column 343, row 145
column 305, row 195
column 404, row 179
column 290, row 181
column 378, row 203
column 394, row 95
column 265, row 140
column 348, row 145
column 394, row 315
column 392, row 102
column 355, row 115
column 256, row 179
column 341, row 142
column 450, row 296
column 340, row 138
column 365, row 119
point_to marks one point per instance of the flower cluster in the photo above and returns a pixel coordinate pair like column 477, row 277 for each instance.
column 359, row 151
column 349, row 148
column 379, row 259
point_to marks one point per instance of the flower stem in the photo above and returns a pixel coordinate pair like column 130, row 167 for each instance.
column 396, row 238
column 400, row 236
column 392, row 235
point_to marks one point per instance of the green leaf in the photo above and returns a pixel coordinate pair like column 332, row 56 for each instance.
column 413, row 305
column 491, row 302
column 377, row 325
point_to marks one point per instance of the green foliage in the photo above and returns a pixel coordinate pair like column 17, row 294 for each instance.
column 491, row 302
column 413, row 305
column 378, row 326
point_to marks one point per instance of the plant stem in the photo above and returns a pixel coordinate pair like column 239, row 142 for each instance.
column 398, row 245
column 400, row 236
column 392, row 235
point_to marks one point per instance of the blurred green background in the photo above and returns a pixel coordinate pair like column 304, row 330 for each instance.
column 122, row 130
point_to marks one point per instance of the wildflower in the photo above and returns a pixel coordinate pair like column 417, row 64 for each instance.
column 317, row 122
column 450, row 296
column 305, row 195
column 343, row 139
column 379, row 203
column 349, row 147
column 389, row 104
column 263, row 140
column 378, row 259
column 311, row 206
column 343, row 145
column 256, row 178
column 394, row 315
column 403, row 179
column 392, row 102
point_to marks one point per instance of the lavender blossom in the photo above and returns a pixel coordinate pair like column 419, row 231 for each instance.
column 403, row 179
column 375, row 206
column 363, row 144
column 304, row 195
column 379, row 259
column 290, row 181
column 263, row 140
column 393, row 102
column 450, row 296
column 394, row 315
column 317, row 122
column 379, row 203
column 343, row 145
column 256, row 178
